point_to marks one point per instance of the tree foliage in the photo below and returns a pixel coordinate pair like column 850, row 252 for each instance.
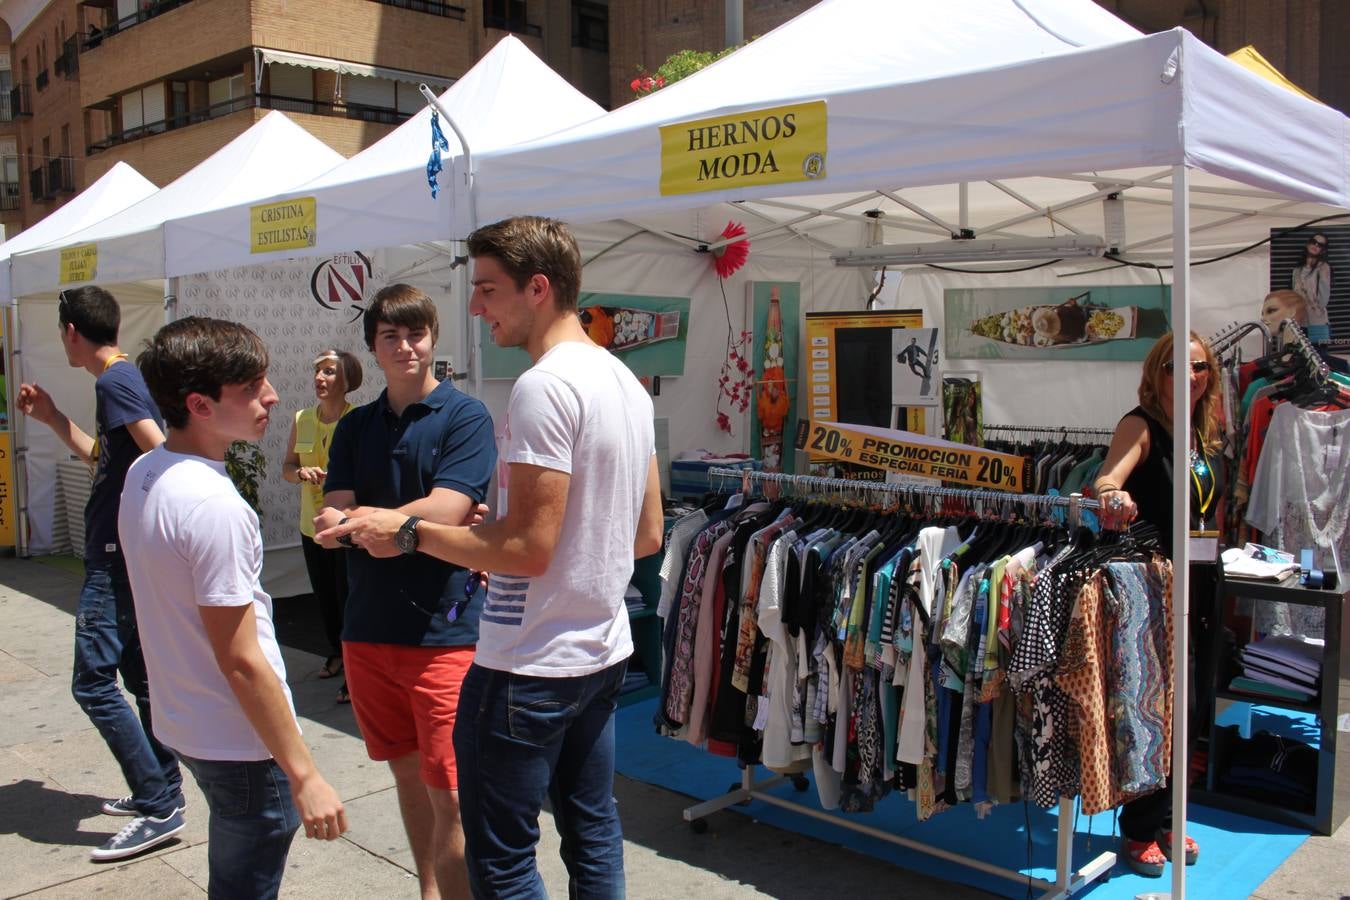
column 678, row 65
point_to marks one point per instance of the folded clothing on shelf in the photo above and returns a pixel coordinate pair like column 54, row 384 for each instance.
column 1243, row 564
column 1282, row 666
column 1269, row 768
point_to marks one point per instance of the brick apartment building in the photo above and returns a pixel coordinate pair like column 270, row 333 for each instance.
column 164, row 83
column 1305, row 39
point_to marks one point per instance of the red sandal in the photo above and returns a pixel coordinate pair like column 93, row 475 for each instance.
column 1192, row 848
column 1144, row 857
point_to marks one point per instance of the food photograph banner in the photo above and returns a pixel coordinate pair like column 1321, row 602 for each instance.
column 647, row 333
column 1098, row 323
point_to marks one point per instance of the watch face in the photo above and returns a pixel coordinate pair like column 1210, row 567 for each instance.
column 406, row 538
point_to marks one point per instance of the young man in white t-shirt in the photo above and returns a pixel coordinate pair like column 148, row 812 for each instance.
column 577, row 463
column 194, row 549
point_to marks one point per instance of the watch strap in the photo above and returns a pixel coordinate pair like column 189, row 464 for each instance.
column 346, row 539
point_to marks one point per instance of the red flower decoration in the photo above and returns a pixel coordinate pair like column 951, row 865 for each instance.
column 730, row 257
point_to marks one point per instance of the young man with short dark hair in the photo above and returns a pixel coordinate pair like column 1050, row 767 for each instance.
column 537, row 710
column 106, row 638
column 216, row 673
column 424, row 449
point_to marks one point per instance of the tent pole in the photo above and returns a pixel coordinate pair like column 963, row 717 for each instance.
column 735, row 31
column 463, row 142
column 1181, row 516
column 18, row 428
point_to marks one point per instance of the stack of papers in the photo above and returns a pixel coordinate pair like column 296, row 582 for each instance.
column 1283, row 666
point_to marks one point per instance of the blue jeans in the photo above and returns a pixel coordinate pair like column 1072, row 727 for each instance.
column 518, row 738
column 106, row 642
column 253, row 820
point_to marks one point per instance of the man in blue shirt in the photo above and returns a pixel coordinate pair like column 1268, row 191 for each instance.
column 106, row 637
column 427, row 450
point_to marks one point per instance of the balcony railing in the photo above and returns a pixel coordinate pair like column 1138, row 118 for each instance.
column 19, row 104
column 68, row 63
column 514, row 24
column 41, row 79
column 60, row 176
column 428, row 6
column 144, row 13
column 37, row 184
column 9, row 196
column 379, row 114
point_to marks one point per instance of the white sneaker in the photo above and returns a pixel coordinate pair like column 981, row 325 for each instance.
column 139, row 835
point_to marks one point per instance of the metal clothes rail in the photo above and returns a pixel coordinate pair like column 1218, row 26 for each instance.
column 1229, row 337
column 1068, row 881
column 1052, row 430
column 840, row 487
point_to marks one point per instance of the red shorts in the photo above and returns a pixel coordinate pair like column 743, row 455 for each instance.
column 405, row 699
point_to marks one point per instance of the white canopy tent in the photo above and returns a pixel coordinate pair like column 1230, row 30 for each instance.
column 273, row 155
column 1006, row 118
column 118, row 188
column 922, row 94
column 129, row 245
column 380, row 196
column 41, row 358
column 1001, row 117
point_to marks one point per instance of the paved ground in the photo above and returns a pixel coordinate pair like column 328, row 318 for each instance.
column 55, row 771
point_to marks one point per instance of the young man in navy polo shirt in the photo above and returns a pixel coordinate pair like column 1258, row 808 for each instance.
column 106, row 638
column 428, row 451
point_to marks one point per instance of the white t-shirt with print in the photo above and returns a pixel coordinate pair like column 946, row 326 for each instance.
column 580, row 411
column 191, row 540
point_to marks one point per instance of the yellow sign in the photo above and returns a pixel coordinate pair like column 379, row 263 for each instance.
column 288, row 225
column 79, row 263
column 912, row 454
column 760, row 146
column 6, row 491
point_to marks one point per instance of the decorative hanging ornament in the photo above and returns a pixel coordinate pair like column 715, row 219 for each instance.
column 438, row 145
column 730, row 257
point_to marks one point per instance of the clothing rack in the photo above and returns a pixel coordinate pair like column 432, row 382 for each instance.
column 908, row 490
column 1068, row 881
column 1053, row 429
column 1299, row 343
column 1228, row 338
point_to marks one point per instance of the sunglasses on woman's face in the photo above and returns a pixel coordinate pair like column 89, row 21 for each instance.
column 1197, row 366
column 1320, row 244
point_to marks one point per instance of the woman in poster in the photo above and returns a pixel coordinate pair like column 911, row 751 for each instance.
column 1312, row 279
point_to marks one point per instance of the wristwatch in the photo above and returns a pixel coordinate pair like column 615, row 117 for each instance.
column 405, row 539
column 346, row 539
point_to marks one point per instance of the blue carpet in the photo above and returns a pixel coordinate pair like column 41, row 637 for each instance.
column 1237, row 853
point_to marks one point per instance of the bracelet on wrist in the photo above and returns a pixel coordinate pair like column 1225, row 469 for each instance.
column 1103, row 488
